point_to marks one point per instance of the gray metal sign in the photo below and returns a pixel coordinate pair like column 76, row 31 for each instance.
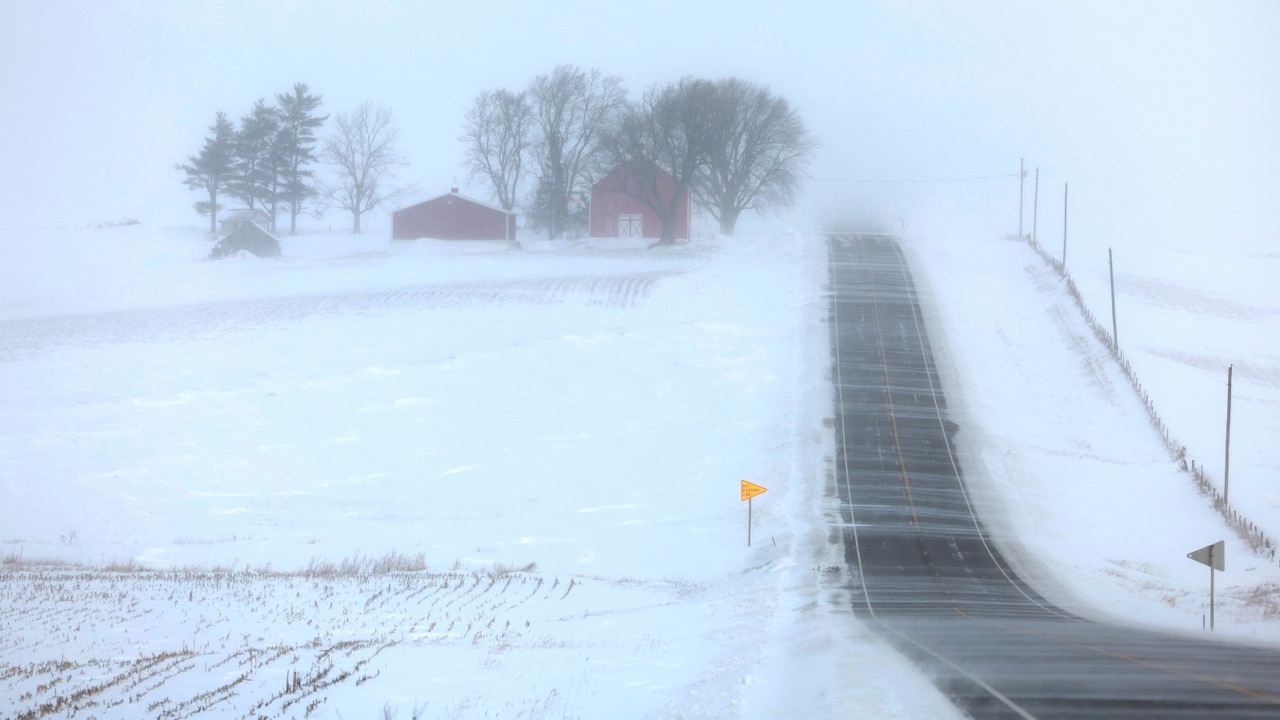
column 1211, row 555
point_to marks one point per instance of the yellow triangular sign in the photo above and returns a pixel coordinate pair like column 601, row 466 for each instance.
column 750, row 490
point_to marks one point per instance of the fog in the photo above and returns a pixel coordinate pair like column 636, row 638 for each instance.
column 466, row 406
column 1160, row 116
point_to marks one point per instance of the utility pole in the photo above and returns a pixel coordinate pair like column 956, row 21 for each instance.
column 1226, row 465
column 1115, row 336
column 1064, row 227
column 1035, row 207
column 1022, row 176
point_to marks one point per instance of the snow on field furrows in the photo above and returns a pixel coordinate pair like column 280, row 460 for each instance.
column 446, row 480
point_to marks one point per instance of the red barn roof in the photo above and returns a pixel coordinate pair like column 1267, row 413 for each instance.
column 453, row 217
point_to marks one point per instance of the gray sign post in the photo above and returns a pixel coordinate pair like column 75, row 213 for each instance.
column 1211, row 555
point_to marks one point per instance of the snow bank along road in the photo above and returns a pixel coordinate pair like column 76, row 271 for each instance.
column 930, row 578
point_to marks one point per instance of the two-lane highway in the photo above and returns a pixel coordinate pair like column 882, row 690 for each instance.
column 927, row 574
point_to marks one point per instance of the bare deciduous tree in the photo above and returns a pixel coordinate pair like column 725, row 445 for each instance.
column 757, row 148
column 571, row 109
column 496, row 134
column 362, row 150
column 668, row 130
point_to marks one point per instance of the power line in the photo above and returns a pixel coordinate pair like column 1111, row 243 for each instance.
column 915, row 180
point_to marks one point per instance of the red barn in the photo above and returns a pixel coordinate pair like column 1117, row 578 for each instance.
column 615, row 213
column 453, row 217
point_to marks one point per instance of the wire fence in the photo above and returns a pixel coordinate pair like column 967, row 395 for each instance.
column 1261, row 543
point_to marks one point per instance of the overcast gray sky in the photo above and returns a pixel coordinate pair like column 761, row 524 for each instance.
column 1162, row 115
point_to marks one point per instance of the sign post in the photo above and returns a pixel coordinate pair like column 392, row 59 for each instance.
column 750, row 490
column 1211, row 555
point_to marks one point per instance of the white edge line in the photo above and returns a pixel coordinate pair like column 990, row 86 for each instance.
column 933, row 392
column 856, row 547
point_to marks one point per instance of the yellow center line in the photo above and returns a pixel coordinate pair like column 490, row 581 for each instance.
column 1225, row 684
column 884, row 366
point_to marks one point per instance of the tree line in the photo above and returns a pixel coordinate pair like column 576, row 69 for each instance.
column 732, row 144
column 264, row 163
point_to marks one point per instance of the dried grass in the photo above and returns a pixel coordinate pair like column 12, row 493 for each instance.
column 362, row 565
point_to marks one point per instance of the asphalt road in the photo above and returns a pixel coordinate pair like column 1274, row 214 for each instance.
column 928, row 576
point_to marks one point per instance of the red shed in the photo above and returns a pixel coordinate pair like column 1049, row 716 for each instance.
column 616, row 212
column 453, row 217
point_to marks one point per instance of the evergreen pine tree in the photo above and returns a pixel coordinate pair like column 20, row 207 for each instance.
column 273, row 192
column 255, row 172
column 212, row 170
column 296, row 144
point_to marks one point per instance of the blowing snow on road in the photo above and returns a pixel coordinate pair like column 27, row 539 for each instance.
column 470, row 479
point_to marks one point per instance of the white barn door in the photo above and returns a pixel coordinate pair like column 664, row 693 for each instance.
column 631, row 226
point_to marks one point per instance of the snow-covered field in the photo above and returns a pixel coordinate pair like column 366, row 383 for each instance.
column 465, row 480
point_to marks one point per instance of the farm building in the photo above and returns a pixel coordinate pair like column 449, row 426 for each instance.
column 249, row 237
column 453, row 217
column 617, row 212
column 233, row 219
